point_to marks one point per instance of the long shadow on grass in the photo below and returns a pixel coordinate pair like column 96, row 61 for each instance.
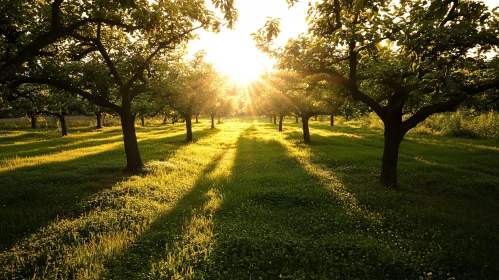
column 73, row 141
column 456, row 234
column 271, row 219
column 40, row 135
column 34, row 196
column 278, row 221
column 165, row 233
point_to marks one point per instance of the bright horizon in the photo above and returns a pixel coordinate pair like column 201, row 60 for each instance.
column 233, row 52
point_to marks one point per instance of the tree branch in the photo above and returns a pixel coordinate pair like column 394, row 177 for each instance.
column 429, row 110
column 67, row 86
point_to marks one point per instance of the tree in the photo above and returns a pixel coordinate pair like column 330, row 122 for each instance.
column 188, row 86
column 304, row 96
column 219, row 98
column 406, row 60
column 35, row 101
column 29, row 29
column 152, row 32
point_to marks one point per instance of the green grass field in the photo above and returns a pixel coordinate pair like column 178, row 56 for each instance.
column 246, row 202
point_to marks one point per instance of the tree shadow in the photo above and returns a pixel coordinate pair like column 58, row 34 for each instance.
column 34, row 196
column 163, row 234
column 446, row 206
column 277, row 220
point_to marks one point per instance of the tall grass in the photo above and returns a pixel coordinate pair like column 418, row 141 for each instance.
column 464, row 124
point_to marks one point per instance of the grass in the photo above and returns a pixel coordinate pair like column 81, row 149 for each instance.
column 246, row 202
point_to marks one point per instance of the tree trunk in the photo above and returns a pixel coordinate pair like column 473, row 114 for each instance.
column 393, row 137
column 133, row 160
column 332, row 120
column 165, row 120
column 188, row 126
column 142, row 120
column 219, row 122
column 33, row 121
column 281, row 116
column 296, row 119
column 315, row 118
column 64, row 128
column 270, row 118
column 306, row 131
column 275, row 119
column 197, row 121
column 212, row 121
column 98, row 116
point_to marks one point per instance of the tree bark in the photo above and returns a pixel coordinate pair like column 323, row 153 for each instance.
column 393, row 136
column 197, row 121
column 33, row 121
column 306, row 131
column 332, row 120
column 98, row 117
column 275, row 119
column 296, row 119
column 64, row 128
column 281, row 116
column 142, row 120
column 188, row 126
column 133, row 159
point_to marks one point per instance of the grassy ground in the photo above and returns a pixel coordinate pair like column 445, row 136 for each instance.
column 246, row 202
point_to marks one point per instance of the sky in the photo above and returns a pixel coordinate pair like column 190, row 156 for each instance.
column 234, row 52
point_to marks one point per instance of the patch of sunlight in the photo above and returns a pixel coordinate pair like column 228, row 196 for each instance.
column 13, row 133
column 195, row 245
column 68, row 155
column 198, row 239
column 74, row 135
column 328, row 133
column 114, row 218
column 68, row 145
column 16, row 162
column 452, row 143
column 303, row 154
column 429, row 162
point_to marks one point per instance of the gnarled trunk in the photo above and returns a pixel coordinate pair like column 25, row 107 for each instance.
column 332, row 120
column 33, row 121
column 188, row 126
column 306, row 131
column 281, row 116
column 393, row 136
column 133, row 159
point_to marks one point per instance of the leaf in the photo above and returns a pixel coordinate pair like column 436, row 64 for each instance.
column 358, row 5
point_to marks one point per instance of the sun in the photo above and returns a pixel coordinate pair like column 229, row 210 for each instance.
column 243, row 75
column 241, row 65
